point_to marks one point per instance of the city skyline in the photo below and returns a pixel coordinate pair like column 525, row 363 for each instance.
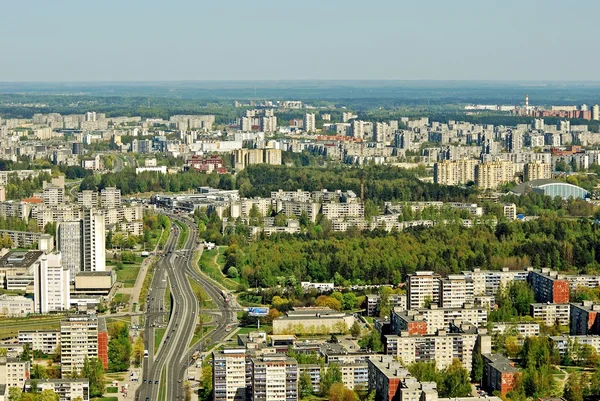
column 391, row 41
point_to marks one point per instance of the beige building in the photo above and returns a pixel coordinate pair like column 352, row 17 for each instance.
column 67, row 389
column 454, row 172
column 45, row 341
column 13, row 372
column 490, row 175
column 229, row 375
column 455, row 291
column 78, row 340
column 423, row 288
column 313, row 320
column 549, row 314
column 15, row 306
column 274, row 378
column 246, row 157
column 440, row 348
column 537, row 171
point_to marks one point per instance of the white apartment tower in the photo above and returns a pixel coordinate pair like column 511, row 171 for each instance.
column 423, row 288
column 69, row 241
column 94, row 235
column 51, row 284
column 309, row 122
column 229, row 375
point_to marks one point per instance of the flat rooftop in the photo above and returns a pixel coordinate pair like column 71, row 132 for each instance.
column 22, row 259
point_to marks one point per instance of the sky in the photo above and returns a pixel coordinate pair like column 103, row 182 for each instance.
column 174, row 40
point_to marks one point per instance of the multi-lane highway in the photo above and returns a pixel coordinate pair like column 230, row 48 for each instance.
column 174, row 354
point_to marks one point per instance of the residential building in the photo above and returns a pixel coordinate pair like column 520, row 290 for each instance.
column 489, row 175
column 51, row 285
column 385, row 376
column 69, row 241
column 436, row 318
column 78, row 340
column 499, row 373
column 309, row 122
column 423, row 289
column 274, row 378
column 562, row 343
column 13, row 372
column 584, row 318
column 550, row 314
column 67, row 389
column 44, row 341
column 489, row 282
column 230, row 380
column 440, row 348
column 94, row 233
column 537, row 171
column 509, row 210
column 454, row 172
column 110, row 197
column 15, row 306
column 455, row 291
column 548, row 286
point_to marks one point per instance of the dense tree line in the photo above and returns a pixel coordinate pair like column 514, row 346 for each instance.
column 119, row 348
column 19, row 189
column 380, row 257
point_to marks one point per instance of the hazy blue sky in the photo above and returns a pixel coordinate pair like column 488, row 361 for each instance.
column 113, row 40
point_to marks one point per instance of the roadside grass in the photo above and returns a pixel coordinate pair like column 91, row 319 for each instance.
column 185, row 233
column 164, row 236
column 203, row 298
column 198, row 334
column 162, row 394
column 158, row 336
column 215, row 270
column 146, row 285
column 167, row 300
column 128, row 274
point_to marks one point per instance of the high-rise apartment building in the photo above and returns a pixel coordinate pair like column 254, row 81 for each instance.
column 274, row 378
column 595, row 112
column 51, row 284
column 584, row 318
column 537, row 171
column 94, row 233
column 423, row 289
column 230, row 375
column 454, row 172
column 45, row 341
column 310, row 122
column 455, row 291
column 53, row 195
column 489, row 175
column 549, row 287
column 78, row 340
column 69, row 241
column 13, row 373
column 268, row 124
column 110, row 197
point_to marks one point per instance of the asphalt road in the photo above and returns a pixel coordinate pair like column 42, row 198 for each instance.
column 174, row 354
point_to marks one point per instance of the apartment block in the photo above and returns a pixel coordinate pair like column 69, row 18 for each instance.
column 440, row 348
column 274, row 378
column 489, row 282
column 15, row 306
column 454, row 172
column 499, row 373
column 230, row 375
column 45, row 341
column 14, row 372
column 537, row 170
column 436, row 318
column 549, row 314
column 489, row 175
column 549, row 287
column 385, row 376
column 67, row 389
column 521, row 329
column 584, row 318
column 509, row 210
column 94, row 233
column 562, row 343
column 309, row 122
column 354, row 374
column 455, row 291
column 423, row 288
column 78, row 340
column 110, row 197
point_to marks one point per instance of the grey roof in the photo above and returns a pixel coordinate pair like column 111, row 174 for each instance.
column 20, row 258
column 521, row 188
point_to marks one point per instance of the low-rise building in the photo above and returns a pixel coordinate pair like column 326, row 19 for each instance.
column 14, row 372
column 44, row 341
column 313, row 320
column 67, row 389
column 15, row 305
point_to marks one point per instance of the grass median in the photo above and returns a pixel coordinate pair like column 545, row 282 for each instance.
column 203, row 298
column 212, row 263
column 183, row 237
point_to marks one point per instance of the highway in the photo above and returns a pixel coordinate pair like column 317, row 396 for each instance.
column 174, row 354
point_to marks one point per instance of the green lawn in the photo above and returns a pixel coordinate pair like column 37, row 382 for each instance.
column 215, row 270
column 206, row 303
column 121, row 298
column 128, row 274
column 185, row 233
column 158, row 336
column 112, row 390
column 10, row 327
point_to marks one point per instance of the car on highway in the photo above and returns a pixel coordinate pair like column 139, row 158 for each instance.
column 155, row 381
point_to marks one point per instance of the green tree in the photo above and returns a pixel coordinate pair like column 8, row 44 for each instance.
column 456, row 381
column 332, row 375
column 94, row 372
column 119, row 348
column 573, row 387
column 372, row 341
column 349, row 301
column 355, row 329
column 305, row 385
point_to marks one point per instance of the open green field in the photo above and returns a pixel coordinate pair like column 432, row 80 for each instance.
column 158, row 336
column 212, row 263
column 10, row 327
column 128, row 274
column 206, row 303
